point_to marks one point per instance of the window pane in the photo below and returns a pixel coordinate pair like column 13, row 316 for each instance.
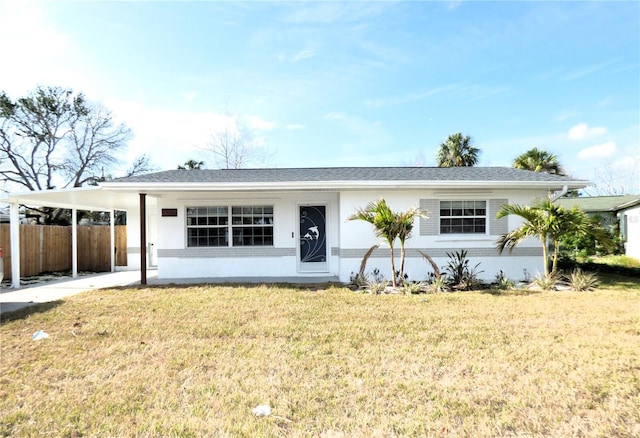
column 464, row 217
column 209, row 226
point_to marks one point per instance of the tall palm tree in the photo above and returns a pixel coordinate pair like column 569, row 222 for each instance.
column 539, row 160
column 457, row 151
column 385, row 225
column 548, row 222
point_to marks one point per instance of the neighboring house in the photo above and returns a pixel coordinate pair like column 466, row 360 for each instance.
column 292, row 223
column 620, row 213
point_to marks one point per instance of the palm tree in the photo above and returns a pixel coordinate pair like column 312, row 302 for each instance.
column 191, row 165
column 576, row 222
column 539, row 160
column 405, row 221
column 385, row 225
column 457, row 151
column 548, row 222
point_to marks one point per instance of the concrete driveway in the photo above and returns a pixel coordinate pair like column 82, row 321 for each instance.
column 14, row 299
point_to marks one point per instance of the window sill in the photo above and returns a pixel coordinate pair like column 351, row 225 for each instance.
column 465, row 238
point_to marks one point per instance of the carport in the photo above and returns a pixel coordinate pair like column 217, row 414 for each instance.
column 83, row 198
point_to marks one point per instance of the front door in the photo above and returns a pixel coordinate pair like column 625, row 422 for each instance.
column 313, row 238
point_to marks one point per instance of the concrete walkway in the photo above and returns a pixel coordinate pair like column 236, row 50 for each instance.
column 15, row 299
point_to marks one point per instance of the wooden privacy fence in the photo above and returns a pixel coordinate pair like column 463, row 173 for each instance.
column 47, row 248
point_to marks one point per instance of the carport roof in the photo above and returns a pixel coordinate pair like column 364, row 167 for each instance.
column 83, row 198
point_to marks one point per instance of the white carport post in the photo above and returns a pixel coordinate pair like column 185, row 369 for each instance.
column 112, row 238
column 14, row 232
column 74, row 243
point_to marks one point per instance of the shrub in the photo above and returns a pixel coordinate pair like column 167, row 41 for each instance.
column 503, row 282
column 438, row 284
column 461, row 274
column 546, row 282
column 581, row 281
column 377, row 284
column 376, row 287
column 358, row 280
column 411, row 287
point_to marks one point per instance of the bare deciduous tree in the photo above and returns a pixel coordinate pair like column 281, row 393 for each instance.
column 613, row 179
column 235, row 146
column 142, row 164
column 56, row 138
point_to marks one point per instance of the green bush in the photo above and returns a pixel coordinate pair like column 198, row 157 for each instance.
column 581, row 281
column 459, row 271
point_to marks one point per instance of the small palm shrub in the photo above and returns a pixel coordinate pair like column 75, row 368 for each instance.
column 358, row 280
column 503, row 282
column 438, row 284
column 411, row 288
column 546, row 282
column 376, row 284
column 581, row 281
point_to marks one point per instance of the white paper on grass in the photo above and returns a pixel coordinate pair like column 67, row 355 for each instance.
column 39, row 335
column 262, row 411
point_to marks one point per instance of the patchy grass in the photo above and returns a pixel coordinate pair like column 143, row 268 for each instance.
column 195, row 361
column 616, row 260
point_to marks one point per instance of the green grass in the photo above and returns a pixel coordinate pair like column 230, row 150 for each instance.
column 194, row 361
column 616, row 260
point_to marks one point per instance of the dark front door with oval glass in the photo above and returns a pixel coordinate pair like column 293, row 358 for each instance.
column 313, row 238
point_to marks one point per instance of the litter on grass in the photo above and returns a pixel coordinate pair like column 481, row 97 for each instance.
column 265, row 411
column 39, row 335
column 262, row 411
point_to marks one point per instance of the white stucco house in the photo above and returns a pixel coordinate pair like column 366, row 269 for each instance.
column 292, row 223
column 615, row 212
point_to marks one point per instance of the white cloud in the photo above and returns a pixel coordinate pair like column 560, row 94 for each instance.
column 258, row 124
column 294, row 127
column 169, row 137
column 603, row 103
column 590, row 69
column 189, row 96
column 304, row 54
column 582, row 131
column 567, row 114
column 410, row 97
column 603, row 150
column 35, row 52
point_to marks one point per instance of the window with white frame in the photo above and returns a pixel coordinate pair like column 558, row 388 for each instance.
column 463, row 217
column 212, row 226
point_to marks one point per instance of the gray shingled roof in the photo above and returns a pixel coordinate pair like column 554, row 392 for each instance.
column 600, row 203
column 506, row 174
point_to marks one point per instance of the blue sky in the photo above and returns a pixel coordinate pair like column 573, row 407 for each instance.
column 348, row 84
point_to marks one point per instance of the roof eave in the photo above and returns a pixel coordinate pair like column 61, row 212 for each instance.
column 338, row 185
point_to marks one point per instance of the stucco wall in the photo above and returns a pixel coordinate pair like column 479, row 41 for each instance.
column 632, row 245
column 357, row 237
column 347, row 241
column 176, row 260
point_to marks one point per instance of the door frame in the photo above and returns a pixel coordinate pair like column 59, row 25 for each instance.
column 313, row 267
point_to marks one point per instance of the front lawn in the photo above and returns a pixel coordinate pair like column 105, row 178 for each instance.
column 195, row 361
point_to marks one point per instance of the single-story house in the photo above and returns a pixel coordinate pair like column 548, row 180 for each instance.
column 619, row 212
column 292, row 223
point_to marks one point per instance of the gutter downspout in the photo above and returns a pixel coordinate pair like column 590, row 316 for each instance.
column 555, row 197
